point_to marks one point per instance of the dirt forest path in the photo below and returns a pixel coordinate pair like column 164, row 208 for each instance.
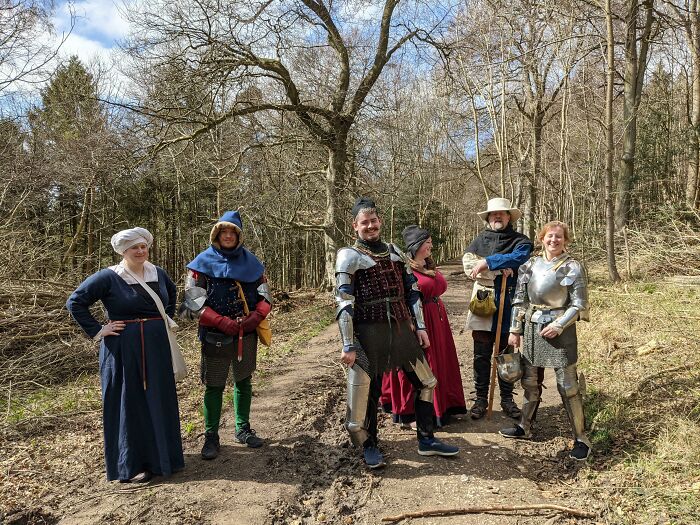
column 307, row 473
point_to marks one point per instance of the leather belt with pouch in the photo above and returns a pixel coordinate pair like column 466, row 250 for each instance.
column 218, row 345
column 483, row 303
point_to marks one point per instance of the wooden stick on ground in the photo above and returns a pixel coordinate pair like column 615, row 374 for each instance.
column 493, row 508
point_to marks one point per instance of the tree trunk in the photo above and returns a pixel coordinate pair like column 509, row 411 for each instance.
column 691, row 189
column 535, row 168
column 69, row 256
column 624, row 182
column 635, row 67
column 610, row 150
column 332, row 226
column 89, row 265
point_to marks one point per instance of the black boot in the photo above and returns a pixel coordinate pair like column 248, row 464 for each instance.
column 483, row 352
column 211, row 447
column 247, row 436
column 510, row 409
column 479, row 408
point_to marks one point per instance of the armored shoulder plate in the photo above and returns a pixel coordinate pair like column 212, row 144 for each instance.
column 569, row 272
column 397, row 255
column 350, row 260
column 264, row 291
column 525, row 271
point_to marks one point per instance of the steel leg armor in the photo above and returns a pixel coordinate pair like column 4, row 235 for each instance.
column 567, row 384
column 427, row 379
column 358, row 398
column 533, row 391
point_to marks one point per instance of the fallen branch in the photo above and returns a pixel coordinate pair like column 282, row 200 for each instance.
column 493, row 508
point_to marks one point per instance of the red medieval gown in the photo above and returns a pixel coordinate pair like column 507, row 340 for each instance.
column 397, row 391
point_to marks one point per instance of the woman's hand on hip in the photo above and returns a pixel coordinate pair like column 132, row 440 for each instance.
column 112, row 328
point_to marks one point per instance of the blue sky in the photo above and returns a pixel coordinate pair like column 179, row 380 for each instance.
column 97, row 26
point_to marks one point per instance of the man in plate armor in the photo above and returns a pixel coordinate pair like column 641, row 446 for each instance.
column 381, row 324
column 550, row 297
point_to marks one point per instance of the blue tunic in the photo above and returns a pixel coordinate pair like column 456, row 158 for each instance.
column 499, row 261
column 141, row 427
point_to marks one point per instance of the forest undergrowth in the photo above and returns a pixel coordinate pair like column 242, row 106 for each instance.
column 640, row 357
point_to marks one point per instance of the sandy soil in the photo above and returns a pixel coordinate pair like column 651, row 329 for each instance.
column 307, row 473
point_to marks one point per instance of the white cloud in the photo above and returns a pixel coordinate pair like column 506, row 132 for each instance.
column 87, row 50
column 98, row 20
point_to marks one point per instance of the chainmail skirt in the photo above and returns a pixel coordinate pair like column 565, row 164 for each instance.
column 558, row 352
column 388, row 346
column 215, row 370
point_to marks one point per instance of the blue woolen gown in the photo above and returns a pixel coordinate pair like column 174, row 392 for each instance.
column 141, row 427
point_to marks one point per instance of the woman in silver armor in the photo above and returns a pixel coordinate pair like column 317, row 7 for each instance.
column 550, row 297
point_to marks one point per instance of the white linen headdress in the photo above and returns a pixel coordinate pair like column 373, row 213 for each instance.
column 125, row 239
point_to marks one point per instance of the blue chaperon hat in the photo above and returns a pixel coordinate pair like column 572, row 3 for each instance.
column 238, row 263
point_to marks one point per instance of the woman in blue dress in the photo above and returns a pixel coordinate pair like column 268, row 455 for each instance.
column 140, row 411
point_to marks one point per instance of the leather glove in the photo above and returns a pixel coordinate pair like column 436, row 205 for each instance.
column 222, row 323
column 251, row 321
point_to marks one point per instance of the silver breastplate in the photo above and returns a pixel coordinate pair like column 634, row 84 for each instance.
column 547, row 284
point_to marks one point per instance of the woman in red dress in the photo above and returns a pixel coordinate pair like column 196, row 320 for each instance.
column 441, row 354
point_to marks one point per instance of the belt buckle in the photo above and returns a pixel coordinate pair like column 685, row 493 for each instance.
column 545, row 317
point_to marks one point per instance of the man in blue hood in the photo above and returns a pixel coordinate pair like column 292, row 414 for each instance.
column 227, row 291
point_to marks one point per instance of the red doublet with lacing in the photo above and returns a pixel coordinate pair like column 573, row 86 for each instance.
column 379, row 292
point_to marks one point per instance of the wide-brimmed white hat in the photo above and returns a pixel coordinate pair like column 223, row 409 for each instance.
column 500, row 204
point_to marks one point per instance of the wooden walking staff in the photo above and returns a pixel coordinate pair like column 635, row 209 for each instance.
column 492, row 383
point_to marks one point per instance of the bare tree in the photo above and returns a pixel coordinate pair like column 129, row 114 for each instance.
column 609, row 146
column 309, row 58
column 636, row 59
column 686, row 15
column 23, row 56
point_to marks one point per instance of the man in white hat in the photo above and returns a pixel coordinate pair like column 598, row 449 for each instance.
column 496, row 252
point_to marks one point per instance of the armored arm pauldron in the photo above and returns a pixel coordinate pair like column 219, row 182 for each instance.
column 521, row 300
column 348, row 261
column 195, row 296
column 573, row 276
column 410, row 282
column 264, row 290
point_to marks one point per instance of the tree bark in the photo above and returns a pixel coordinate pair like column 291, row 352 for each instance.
column 535, row 168
column 333, row 230
column 610, row 149
column 635, row 68
column 693, row 36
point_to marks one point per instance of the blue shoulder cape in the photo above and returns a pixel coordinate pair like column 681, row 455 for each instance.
column 238, row 264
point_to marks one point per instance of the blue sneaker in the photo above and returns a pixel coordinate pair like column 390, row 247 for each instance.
column 435, row 447
column 373, row 458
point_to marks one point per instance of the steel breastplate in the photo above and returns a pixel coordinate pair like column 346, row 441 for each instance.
column 544, row 286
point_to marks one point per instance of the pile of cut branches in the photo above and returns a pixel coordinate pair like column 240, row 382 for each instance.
column 39, row 345
column 670, row 247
